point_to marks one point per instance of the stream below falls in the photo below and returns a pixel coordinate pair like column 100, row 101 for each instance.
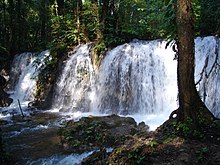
column 34, row 140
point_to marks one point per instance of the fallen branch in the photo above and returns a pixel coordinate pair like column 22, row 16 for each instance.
column 20, row 108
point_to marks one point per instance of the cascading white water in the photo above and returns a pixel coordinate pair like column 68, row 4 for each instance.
column 23, row 76
column 75, row 85
column 20, row 63
column 207, row 72
column 138, row 77
column 135, row 78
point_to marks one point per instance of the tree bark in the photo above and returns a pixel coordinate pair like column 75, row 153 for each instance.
column 190, row 104
column 60, row 4
column 43, row 17
column 78, row 11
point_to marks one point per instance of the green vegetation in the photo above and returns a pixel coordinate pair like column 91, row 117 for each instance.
column 37, row 25
column 136, row 156
column 202, row 155
column 152, row 144
column 97, row 132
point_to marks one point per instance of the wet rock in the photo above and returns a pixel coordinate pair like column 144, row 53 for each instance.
column 4, row 97
column 3, row 122
column 92, row 132
column 31, row 137
column 98, row 158
column 143, row 126
column 2, row 81
column 184, row 158
column 5, row 102
column 216, row 157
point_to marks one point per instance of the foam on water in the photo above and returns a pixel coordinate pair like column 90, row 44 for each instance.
column 72, row 159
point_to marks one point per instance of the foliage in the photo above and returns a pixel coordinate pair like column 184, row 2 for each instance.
column 86, row 133
column 209, row 22
column 24, row 25
column 35, row 25
column 152, row 144
column 202, row 155
column 184, row 129
column 4, row 58
column 136, row 156
column 98, row 52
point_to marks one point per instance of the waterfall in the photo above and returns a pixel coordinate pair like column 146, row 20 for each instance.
column 24, row 71
column 207, row 72
column 137, row 77
column 75, row 85
column 134, row 78
column 19, row 64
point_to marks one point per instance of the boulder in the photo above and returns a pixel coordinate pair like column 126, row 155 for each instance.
column 90, row 133
column 4, row 97
column 5, row 102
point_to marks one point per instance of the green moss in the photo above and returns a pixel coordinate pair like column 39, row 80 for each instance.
column 85, row 133
column 217, row 123
column 152, row 144
column 98, row 52
column 202, row 155
column 95, row 132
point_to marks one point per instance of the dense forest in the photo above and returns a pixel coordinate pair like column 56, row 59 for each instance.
column 37, row 25
column 59, row 25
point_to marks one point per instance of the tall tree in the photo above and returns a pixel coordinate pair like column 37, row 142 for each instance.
column 60, row 4
column 44, row 21
column 191, row 109
column 78, row 11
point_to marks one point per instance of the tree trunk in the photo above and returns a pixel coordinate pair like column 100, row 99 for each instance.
column 191, row 106
column 78, row 11
column 11, row 40
column 43, row 17
column 19, row 30
column 60, row 4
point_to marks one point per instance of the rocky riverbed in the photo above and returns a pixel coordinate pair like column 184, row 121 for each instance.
column 31, row 138
column 105, row 140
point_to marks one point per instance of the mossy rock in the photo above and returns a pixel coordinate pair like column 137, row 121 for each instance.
column 92, row 132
